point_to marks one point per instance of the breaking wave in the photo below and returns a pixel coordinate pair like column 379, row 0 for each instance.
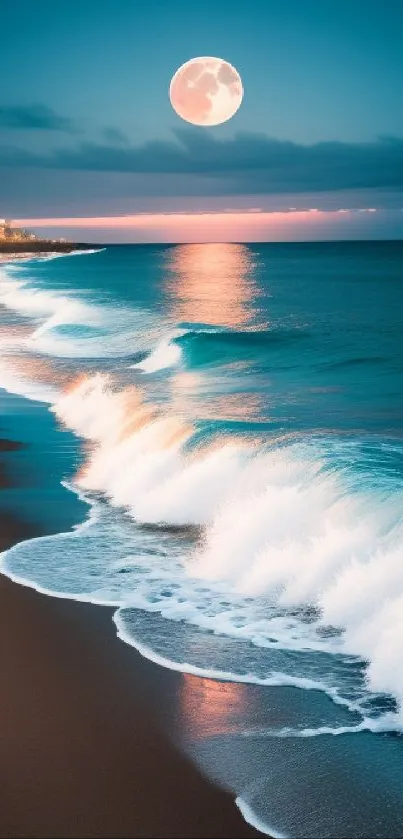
column 205, row 346
column 272, row 544
column 278, row 522
column 68, row 326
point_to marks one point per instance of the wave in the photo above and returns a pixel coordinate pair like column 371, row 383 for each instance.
column 278, row 523
column 166, row 354
column 283, row 526
column 251, row 818
column 49, row 309
column 71, row 327
column 38, row 303
column 205, row 347
column 246, row 337
column 97, row 339
column 199, row 345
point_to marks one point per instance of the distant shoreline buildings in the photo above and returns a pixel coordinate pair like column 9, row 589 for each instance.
column 16, row 241
column 10, row 234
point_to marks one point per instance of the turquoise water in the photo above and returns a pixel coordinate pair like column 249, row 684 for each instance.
column 227, row 424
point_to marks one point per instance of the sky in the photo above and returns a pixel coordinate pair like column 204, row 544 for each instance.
column 91, row 147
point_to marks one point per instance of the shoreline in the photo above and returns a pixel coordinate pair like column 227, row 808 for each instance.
column 21, row 248
column 84, row 750
column 7, row 257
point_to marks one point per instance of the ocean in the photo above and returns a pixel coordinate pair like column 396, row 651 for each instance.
column 215, row 448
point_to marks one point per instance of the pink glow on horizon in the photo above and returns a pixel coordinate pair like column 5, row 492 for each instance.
column 225, row 226
column 175, row 219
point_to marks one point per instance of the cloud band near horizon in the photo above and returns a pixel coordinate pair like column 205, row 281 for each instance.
column 245, row 163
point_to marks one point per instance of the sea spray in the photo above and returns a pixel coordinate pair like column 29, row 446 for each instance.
column 278, row 524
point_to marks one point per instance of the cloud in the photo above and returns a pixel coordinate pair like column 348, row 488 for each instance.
column 244, row 164
column 115, row 136
column 34, row 117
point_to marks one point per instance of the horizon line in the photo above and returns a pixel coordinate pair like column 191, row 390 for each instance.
column 344, row 241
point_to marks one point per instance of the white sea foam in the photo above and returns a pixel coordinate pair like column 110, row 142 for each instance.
column 166, row 354
column 276, row 523
column 109, row 331
column 251, row 818
column 84, row 253
column 379, row 725
column 274, row 679
column 27, row 300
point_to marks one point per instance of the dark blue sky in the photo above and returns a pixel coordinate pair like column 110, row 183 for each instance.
column 86, row 103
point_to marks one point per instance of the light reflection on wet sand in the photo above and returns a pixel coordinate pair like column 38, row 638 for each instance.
column 209, row 708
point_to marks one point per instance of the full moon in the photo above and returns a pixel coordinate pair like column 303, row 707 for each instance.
column 206, row 91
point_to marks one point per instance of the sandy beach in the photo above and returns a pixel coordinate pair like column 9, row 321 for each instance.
column 83, row 751
column 83, row 754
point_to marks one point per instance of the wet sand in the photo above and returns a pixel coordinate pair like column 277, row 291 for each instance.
column 6, row 477
column 83, row 753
